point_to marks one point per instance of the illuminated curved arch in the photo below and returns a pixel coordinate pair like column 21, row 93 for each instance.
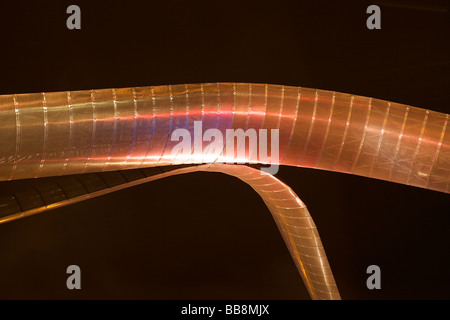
column 95, row 131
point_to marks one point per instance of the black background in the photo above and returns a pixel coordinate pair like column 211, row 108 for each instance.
column 209, row 236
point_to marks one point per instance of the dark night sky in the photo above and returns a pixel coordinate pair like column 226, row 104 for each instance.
column 208, row 236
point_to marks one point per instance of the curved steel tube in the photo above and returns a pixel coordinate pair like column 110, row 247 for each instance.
column 63, row 133
column 47, row 134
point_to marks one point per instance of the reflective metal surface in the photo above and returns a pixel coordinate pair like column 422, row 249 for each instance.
column 102, row 131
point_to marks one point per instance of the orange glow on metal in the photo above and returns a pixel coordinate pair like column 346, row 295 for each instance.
column 63, row 133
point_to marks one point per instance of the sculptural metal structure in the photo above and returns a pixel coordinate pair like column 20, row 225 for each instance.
column 100, row 132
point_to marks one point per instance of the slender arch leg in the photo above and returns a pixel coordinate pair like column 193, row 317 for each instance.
column 296, row 226
column 290, row 214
